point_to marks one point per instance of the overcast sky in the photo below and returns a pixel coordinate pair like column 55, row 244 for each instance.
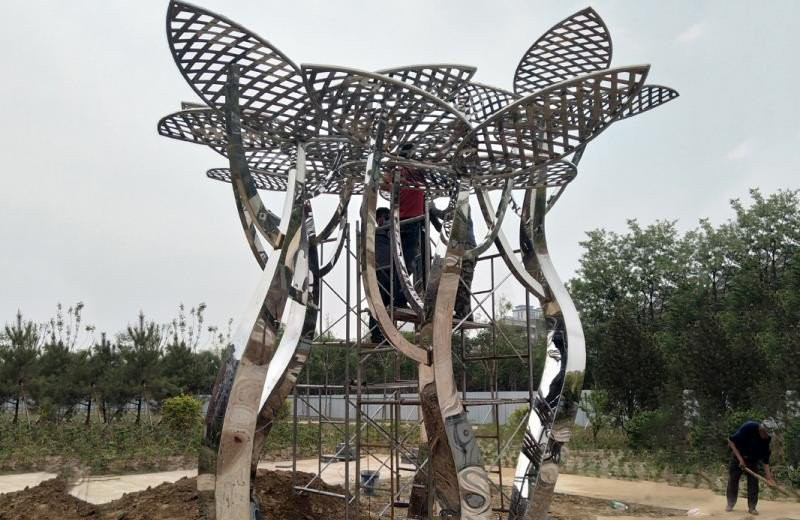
column 96, row 207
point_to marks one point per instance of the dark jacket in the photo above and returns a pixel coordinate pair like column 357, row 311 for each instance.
column 750, row 444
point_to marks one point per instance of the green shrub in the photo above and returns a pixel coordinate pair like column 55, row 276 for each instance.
column 793, row 476
column 513, row 421
column 708, row 436
column 121, row 446
column 791, row 445
column 734, row 419
column 648, row 430
column 181, row 413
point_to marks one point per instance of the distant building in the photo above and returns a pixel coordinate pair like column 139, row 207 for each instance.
column 518, row 318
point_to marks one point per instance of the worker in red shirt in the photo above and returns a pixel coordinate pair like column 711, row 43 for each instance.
column 411, row 202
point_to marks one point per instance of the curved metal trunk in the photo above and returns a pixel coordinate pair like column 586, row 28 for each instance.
column 473, row 482
column 556, row 401
column 224, row 485
column 300, row 319
column 461, row 485
column 368, row 271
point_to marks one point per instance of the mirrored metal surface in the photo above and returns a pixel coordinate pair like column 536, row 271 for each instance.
column 325, row 129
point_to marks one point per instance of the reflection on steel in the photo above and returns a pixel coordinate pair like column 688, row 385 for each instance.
column 406, row 285
column 555, row 405
column 286, row 268
column 256, row 246
column 493, row 224
column 320, row 129
column 470, row 476
column 300, row 318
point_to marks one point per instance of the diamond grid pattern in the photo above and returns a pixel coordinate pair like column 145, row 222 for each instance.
column 206, row 126
column 263, row 180
column 519, row 138
column 263, row 153
column 478, row 101
column 579, row 44
column 442, row 81
column 548, row 125
column 351, row 100
column 336, row 184
column 272, row 93
column 326, row 155
column 570, row 98
column 552, row 175
column 439, row 179
column 272, row 161
column 649, row 98
column 333, row 183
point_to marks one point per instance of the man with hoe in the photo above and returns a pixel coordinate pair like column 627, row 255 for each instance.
column 750, row 445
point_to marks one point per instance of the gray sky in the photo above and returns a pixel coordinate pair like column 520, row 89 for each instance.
column 96, row 207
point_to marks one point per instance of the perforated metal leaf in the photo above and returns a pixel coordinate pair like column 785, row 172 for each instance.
column 546, row 126
column 272, row 94
column 580, row 44
column 650, row 97
column 442, row 81
column 352, row 100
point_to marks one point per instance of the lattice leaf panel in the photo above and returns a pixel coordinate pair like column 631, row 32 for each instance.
column 442, row 81
column 272, row 93
column 550, row 124
column 206, row 126
column 263, row 180
column 577, row 45
column 554, row 174
column 352, row 100
column 650, row 97
column 478, row 101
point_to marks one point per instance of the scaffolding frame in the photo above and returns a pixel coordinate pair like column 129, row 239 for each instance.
column 401, row 437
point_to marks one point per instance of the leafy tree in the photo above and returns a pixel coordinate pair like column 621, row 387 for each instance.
column 19, row 351
column 714, row 310
column 141, row 348
column 62, row 379
column 595, row 405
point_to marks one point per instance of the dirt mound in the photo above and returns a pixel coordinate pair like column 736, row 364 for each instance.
column 47, row 500
column 168, row 501
column 178, row 501
column 175, row 501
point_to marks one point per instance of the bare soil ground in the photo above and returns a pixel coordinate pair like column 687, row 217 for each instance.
column 47, row 500
column 571, row 507
column 178, row 501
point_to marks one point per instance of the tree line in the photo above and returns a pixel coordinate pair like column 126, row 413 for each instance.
column 688, row 328
column 61, row 370
column 710, row 316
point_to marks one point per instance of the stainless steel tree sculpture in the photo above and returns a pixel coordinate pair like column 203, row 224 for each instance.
column 324, row 129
